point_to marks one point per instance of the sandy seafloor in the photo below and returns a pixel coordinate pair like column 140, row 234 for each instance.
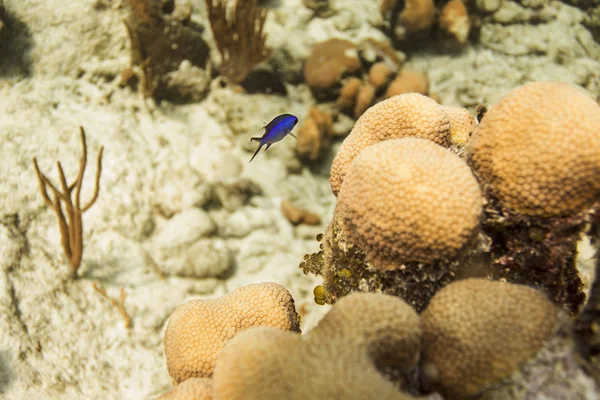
column 58, row 338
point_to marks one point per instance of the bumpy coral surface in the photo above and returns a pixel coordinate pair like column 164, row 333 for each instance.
column 407, row 200
column 410, row 114
column 192, row 389
column 539, row 149
column 408, row 81
column 462, row 124
column 477, row 332
column 341, row 358
column 198, row 329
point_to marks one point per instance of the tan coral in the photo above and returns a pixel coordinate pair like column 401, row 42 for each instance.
column 191, row 389
column 381, row 50
column 348, row 93
column 408, row 200
column 379, row 74
column 197, row 330
column 329, row 61
column 314, row 135
column 323, row 120
column 477, row 332
column 298, row 215
column 418, row 15
column 364, row 99
column 409, row 114
column 341, row 358
column 454, row 19
column 462, row 124
column 408, row 81
column 308, row 145
column 505, row 149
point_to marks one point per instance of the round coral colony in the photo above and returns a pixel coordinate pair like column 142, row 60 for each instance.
column 198, row 330
column 505, row 149
column 407, row 200
column 477, row 332
column 341, row 358
column 406, row 115
column 406, row 222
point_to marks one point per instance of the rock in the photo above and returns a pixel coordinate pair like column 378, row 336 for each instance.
column 184, row 228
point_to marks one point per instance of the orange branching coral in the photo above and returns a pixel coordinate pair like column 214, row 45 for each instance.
column 118, row 304
column 240, row 38
column 71, row 227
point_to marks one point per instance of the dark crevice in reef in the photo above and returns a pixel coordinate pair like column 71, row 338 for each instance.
column 587, row 332
column 345, row 270
column 537, row 252
column 15, row 44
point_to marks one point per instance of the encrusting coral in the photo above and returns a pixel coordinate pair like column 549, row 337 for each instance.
column 315, row 134
column 409, row 114
column 407, row 211
column 71, row 227
column 539, row 201
column 197, row 330
column 364, row 338
column 382, row 82
column 497, row 340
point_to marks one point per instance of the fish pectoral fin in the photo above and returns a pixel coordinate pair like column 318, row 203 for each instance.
column 294, row 136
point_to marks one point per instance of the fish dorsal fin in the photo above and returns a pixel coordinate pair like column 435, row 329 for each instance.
column 275, row 121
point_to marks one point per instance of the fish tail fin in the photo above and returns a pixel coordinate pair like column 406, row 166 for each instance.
column 255, row 139
column 255, row 153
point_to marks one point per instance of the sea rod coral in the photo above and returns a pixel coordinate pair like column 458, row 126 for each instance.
column 71, row 227
column 240, row 37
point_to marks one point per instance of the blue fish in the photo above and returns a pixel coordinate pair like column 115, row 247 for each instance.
column 277, row 129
